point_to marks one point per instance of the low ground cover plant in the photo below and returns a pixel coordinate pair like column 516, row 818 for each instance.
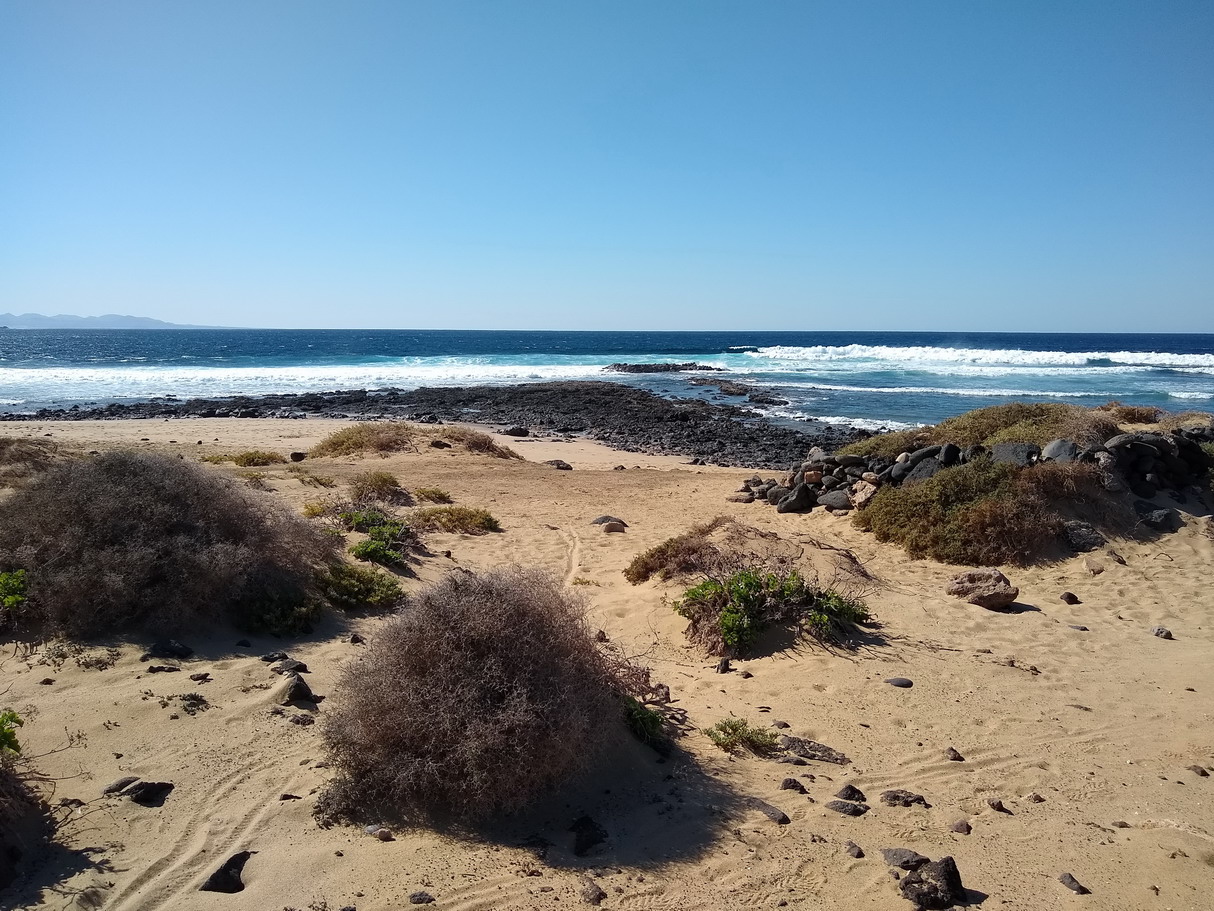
column 250, row 458
column 358, row 588
column 476, row 441
column 461, row 519
column 727, row 614
column 733, row 735
column 432, row 495
column 127, row 540
column 482, row 697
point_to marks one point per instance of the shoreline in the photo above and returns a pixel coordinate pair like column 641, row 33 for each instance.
column 623, row 417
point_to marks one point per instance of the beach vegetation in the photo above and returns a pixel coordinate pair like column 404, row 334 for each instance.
column 250, row 458
column 372, row 487
column 483, row 697
column 727, row 614
column 9, row 722
column 308, row 479
column 476, row 441
column 734, row 735
column 375, row 551
column 351, row 587
column 21, row 458
column 1132, row 414
column 1014, row 422
column 644, row 723
column 686, row 554
column 13, row 590
column 432, row 495
column 380, row 437
column 463, row 520
column 987, row 513
column 128, row 540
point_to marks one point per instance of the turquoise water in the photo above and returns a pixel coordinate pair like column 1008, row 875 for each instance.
column 868, row 379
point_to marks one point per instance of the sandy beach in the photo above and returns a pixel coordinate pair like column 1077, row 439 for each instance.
column 1084, row 735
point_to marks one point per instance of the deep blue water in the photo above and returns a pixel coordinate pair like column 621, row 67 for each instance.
column 866, row 378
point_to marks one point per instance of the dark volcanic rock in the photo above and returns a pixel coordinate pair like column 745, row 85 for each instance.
column 853, row 849
column 900, row 798
column 1074, row 885
column 904, row 858
column 559, row 464
column 850, row 792
column 1021, row 455
column 1081, row 537
column 592, row 893
column 901, row 682
column 660, row 368
column 170, row 648
column 117, row 787
column 775, row 814
column 227, row 878
column 792, row 784
column 614, row 413
column 811, row 749
column 847, row 807
column 934, row 885
column 1069, row 598
column 149, row 793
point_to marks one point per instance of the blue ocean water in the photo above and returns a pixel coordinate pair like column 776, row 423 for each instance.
column 868, row 379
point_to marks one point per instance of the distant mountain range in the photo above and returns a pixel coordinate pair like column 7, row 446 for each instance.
column 107, row 321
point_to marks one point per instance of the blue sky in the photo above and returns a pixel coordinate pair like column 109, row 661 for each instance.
column 959, row 165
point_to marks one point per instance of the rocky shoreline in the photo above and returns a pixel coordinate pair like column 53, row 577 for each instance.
column 624, row 417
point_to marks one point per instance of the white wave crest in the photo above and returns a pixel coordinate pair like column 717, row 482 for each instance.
column 922, row 355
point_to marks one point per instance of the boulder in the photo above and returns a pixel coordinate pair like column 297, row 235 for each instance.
column 801, row 499
column 1021, row 455
column 950, row 454
column 517, row 432
column 1081, row 537
column 861, row 493
column 934, row 885
column 928, row 468
column 776, row 494
column 616, row 528
column 1059, row 451
column 987, row 588
column 835, row 499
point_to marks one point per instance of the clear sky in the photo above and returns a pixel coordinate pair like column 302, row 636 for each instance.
column 648, row 164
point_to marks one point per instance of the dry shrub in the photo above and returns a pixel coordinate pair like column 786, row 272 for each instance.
column 377, row 437
column 482, row 696
column 371, row 487
column 475, row 441
column 462, row 520
column 1015, row 422
column 987, row 513
column 129, row 540
column 688, row 554
column 21, row 458
column 432, row 495
column 1132, row 414
column 1184, row 419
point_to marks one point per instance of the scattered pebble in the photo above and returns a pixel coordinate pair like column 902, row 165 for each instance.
column 997, row 805
column 953, row 756
column 791, row 784
column 853, row 849
column 847, row 808
column 420, row 898
column 1199, row 771
column 1080, row 627
column 1074, row 885
column 1069, row 598
column 961, row 827
column 1034, row 797
column 903, row 858
column 46, row 681
column 901, row 682
column 775, row 814
column 1161, row 632
column 591, row 892
column 900, row 798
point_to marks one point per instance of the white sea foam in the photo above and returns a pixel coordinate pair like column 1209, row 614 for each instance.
column 928, row 355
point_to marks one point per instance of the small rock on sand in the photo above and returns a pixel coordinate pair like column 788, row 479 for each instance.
column 847, row 808
column 901, row 682
column 903, row 858
column 227, row 878
column 1069, row 598
column 900, row 798
column 987, row 588
column 953, row 756
column 421, row 898
column 1074, row 885
column 853, row 849
column 1161, row 632
column 961, row 827
column 934, row 885
column 851, row 792
column 592, row 893
column 117, row 787
column 775, row 814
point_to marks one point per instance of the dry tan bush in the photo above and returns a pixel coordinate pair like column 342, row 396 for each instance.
column 20, row 457
column 127, row 540
column 483, row 695
column 475, row 441
column 1132, row 414
column 370, row 436
column 370, row 487
column 718, row 546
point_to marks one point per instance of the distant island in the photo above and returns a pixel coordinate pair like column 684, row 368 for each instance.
column 106, row 321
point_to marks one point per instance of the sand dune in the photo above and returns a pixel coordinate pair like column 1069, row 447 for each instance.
column 1100, row 724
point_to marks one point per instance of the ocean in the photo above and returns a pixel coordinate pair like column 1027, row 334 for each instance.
column 865, row 379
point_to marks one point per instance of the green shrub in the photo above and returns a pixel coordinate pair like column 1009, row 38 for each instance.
column 129, row 540
column 357, row 588
column 432, row 495
column 13, row 591
column 988, row 513
column 253, row 458
column 362, row 519
column 9, row 722
column 373, row 551
column 369, row 487
column 382, row 438
column 461, row 519
column 645, row 724
column 727, row 615
column 735, row 734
